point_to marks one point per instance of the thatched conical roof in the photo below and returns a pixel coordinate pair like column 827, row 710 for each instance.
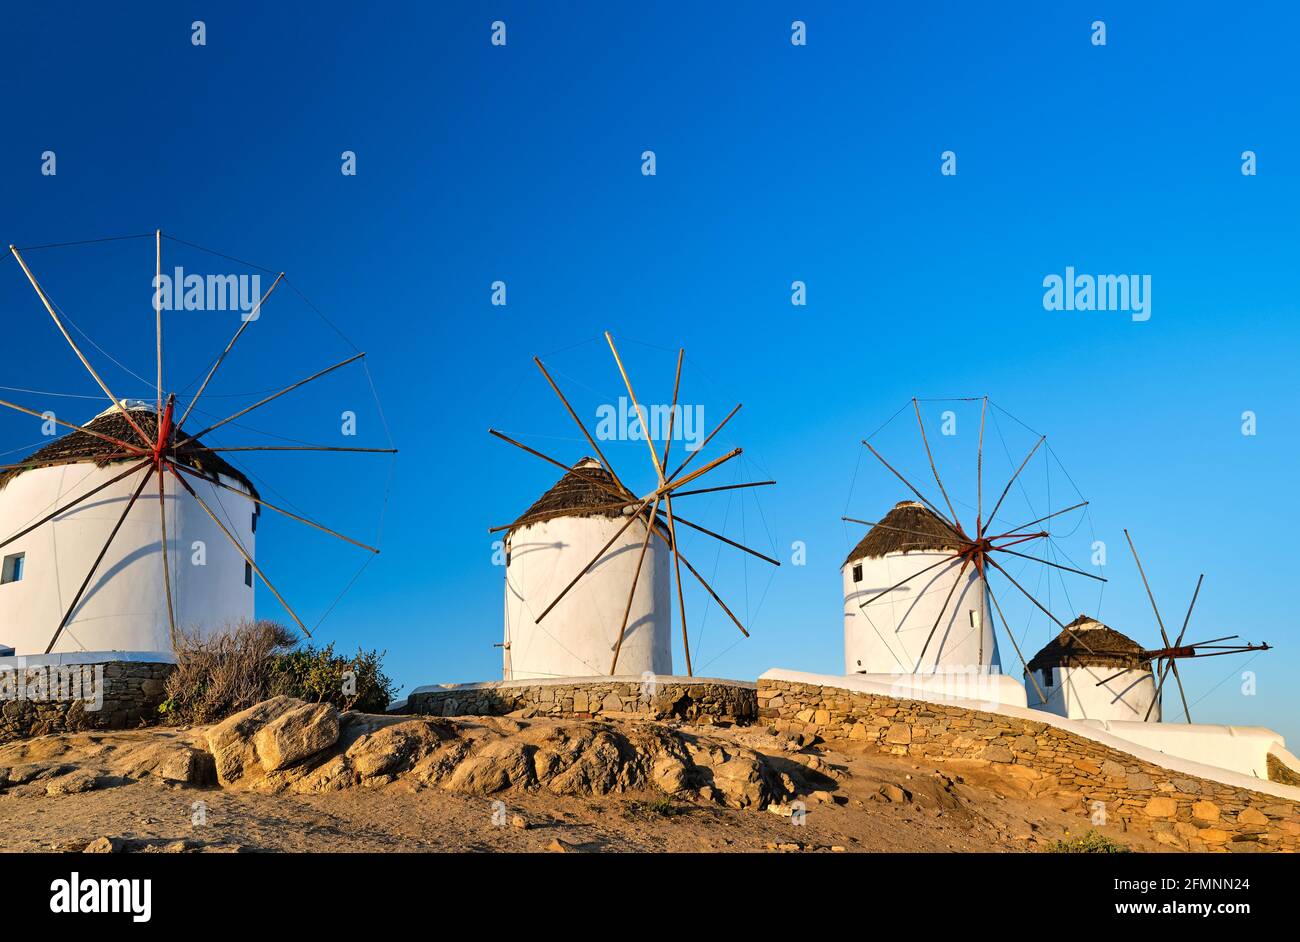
column 576, row 494
column 911, row 527
column 1110, row 648
column 80, row 446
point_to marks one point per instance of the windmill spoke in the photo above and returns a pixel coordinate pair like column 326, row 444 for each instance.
column 1013, row 530
column 166, row 565
column 157, row 311
column 1164, row 636
column 581, row 425
column 1006, row 627
column 1196, row 592
column 631, row 594
column 134, row 449
column 240, row 547
column 1023, row 591
column 270, row 506
column 1077, row 572
column 677, row 572
column 654, row 455
column 672, row 412
column 580, row 472
column 938, row 618
column 919, row 496
column 76, row 599
column 243, row 323
column 204, row 448
column 708, row 588
column 1164, row 669
column 276, row 395
column 930, row 456
column 72, row 503
column 1160, row 686
column 595, row 559
column 719, row 536
column 1211, row 643
column 724, row 487
column 884, row 526
column 700, row 472
column 704, row 444
column 979, row 472
column 1042, row 535
column 117, row 403
column 1006, row 490
column 1182, row 694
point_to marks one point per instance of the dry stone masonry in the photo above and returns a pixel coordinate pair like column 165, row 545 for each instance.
column 35, row 701
column 696, row 701
column 1180, row 810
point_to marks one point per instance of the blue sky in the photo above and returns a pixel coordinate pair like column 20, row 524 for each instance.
column 775, row 163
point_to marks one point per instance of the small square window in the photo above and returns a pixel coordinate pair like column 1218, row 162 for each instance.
column 13, row 568
column 857, row 573
column 248, row 573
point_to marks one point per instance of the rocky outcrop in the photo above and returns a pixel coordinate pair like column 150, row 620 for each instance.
column 286, row 745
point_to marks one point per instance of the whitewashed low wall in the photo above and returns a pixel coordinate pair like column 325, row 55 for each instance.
column 1193, row 756
column 990, row 688
column 1239, row 748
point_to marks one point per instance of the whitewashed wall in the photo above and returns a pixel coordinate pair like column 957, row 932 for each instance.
column 1075, row 693
column 888, row 635
column 124, row 608
column 577, row 638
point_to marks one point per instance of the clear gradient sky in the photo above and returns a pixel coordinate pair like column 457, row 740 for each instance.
column 775, row 163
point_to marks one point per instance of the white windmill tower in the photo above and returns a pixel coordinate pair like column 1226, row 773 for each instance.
column 1108, row 680
column 1094, row 672
column 88, row 566
column 587, row 572
column 901, row 580
column 918, row 589
column 571, row 522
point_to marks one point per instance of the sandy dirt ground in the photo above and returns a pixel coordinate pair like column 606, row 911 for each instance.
column 932, row 809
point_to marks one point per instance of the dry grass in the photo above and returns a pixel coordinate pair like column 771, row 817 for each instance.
column 227, row 673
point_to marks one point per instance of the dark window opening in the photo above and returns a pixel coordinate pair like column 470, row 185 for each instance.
column 857, row 573
column 254, row 521
column 248, row 573
column 1048, row 677
column 13, row 568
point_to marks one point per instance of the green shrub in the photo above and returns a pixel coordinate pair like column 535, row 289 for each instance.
column 321, row 676
column 252, row 661
column 1094, row 842
column 661, row 806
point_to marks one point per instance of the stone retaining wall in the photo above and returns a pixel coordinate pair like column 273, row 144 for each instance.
column 1180, row 810
column 36, row 700
column 691, row 700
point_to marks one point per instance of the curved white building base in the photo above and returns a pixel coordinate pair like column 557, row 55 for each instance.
column 1233, row 755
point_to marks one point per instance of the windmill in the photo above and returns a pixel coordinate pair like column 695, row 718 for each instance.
column 1165, row 659
column 149, row 439
column 656, row 511
column 963, row 557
